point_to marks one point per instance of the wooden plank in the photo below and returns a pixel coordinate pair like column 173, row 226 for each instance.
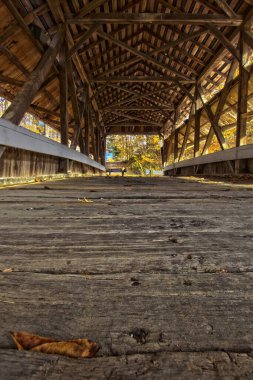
column 159, row 296
column 150, row 367
column 156, row 18
column 24, row 98
column 184, row 308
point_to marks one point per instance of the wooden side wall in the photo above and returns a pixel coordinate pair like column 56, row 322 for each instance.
column 214, row 169
column 191, row 140
column 21, row 163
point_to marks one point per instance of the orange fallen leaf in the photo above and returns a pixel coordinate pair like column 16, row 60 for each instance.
column 7, row 270
column 79, row 348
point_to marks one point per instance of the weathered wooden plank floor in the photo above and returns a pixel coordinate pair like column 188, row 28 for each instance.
column 157, row 270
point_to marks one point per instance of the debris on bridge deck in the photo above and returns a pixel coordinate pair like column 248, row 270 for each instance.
column 158, row 271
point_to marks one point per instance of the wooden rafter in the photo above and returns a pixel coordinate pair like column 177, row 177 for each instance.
column 156, row 18
column 24, row 98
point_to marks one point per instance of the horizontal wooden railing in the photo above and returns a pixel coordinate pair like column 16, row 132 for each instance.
column 241, row 153
column 18, row 137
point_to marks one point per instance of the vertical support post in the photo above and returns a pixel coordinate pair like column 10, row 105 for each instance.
column 165, row 151
column 162, row 155
column 98, row 137
column 103, row 147
column 77, row 137
column 244, row 75
column 176, row 135
column 93, row 142
column 98, row 144
column 197, row 133
column 2, row 149
column 63, row 81
column 197, row 115
column 87, row 130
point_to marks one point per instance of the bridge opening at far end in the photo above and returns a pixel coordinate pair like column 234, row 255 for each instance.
column 134, row 155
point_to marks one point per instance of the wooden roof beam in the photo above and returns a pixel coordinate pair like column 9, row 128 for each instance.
column 136, row 118
column 181, row 34
column 59, row 17
column 85, row 36
column 248, row 37
column 144, row 79
column 91, row 7
column 225, row 41
column 24, row 98
column 157, row 18
column 221, row 53
column 12, row 29
column 138, row 96
column 141, row 55
column 15, row 61
column 209, row 6
column 222, row 4
column 161, row 49
column 22, row 23
column 138, row 108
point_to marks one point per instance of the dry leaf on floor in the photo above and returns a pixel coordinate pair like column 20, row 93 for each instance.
column 79, row 348
column 85, row 200
column 7, row 270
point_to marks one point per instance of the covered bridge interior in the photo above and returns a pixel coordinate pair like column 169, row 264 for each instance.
column 156, row 270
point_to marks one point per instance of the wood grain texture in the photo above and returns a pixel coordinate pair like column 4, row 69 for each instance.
column 211, row 366
column 157, row 270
